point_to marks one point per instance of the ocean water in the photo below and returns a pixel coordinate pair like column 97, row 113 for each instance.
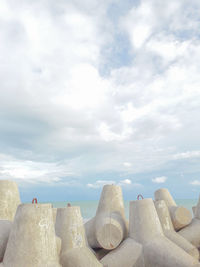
column 88, row 208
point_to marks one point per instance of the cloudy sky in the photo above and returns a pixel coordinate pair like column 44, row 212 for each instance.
column 96, row 92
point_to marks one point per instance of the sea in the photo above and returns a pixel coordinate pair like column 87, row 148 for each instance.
column 88, row 208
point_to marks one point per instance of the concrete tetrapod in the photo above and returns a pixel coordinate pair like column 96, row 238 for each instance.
column 194, row 210
column 9, row 199
column 5, row 227
column 169, row 232
column 180, row 216
column 32, row 240
column 74, row 249
column 109, row 227
column 145, row 228
column 128, row 254
column 192, row 231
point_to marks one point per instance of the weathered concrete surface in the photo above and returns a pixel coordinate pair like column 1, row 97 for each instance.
column 54, row 215
column 5, row 227
column 109, row 227
column 164, row 216
column 32, row 240
column 168, row 229
column 100, row 253
column 192, row 231
column 74, row 250
column 183, row 243
column 194, row 210
column 161, row 252
column 58, row 245
column 144, row 223
column 180, row 216
column 128, row 254
column 146, row 229
column 9, row 199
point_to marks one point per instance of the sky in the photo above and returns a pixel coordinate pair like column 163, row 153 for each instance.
column 95, row 92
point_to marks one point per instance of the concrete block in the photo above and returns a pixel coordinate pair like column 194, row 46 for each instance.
column 109, row 227
column 5, row 227
column 32, row 240
column 128, row 254
column 180, row 216
column 74, row 250
column 9, row 199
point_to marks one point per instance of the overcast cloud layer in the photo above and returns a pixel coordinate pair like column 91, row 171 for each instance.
column 96, row 92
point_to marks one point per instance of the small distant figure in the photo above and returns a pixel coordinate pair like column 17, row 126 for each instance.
column 69, row 205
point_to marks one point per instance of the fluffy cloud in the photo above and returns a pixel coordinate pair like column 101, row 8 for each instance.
column 159, row 180
column 96, row 88
column 195, row 182
column 187, row 155
column 124, row 183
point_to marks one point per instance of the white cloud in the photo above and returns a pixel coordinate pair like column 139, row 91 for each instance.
column 123, row 183
column 60, row 115
column 195, row 182
column 159, row 180
column 32, row 172
column 100, row 183
column 187, row 155
column 127, row 164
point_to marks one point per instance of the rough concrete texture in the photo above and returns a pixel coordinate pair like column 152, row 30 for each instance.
column 5, row 227
column 144, row 223
column 166, row 223
column 32, row 240
column 192, row 231
column 161, row 252
column 74, row 251
column 146, row 229
column 100, row 253
column 180, row 216
column 79, row 257
column 9, row 199
column 54, row 215
column 182, row 243
column 197, row 210
column 58, row 245
column 194, row 210
column 109, row 227
column 164, row 216
column 69, row 227
column 128, row 254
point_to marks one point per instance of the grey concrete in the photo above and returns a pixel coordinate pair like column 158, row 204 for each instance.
column 144, row 224
column 32, row 240
column 128, row 254
column 5, row 227
column 9, row 199
column 74, row 250
column 54, row 214
column 180, row 216
column 58, row 245
column 109, row 227
column 79, row 257
column 161, row 252
column 194, row 210
column 100, row 253
column 146, row 229
column 168, row 229
column 192, row 231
